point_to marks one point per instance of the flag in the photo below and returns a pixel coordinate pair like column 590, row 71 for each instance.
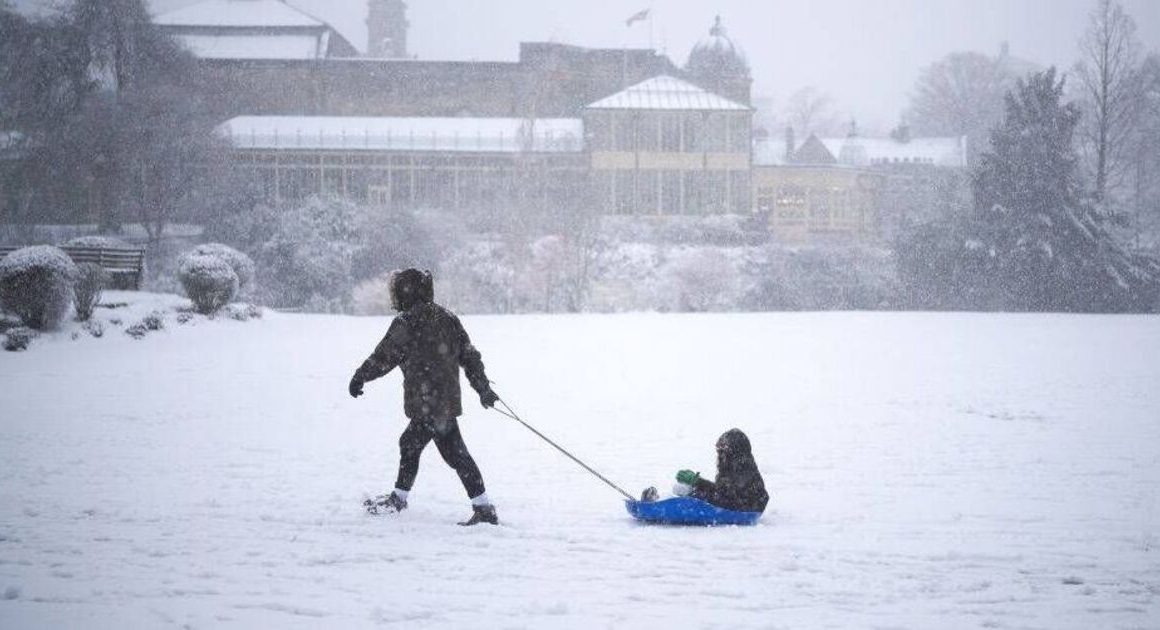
column 636, row 17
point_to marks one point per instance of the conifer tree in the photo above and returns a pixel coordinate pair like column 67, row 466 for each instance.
column 1050, row 248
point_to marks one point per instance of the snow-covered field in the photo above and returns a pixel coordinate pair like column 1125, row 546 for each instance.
column 927, row 471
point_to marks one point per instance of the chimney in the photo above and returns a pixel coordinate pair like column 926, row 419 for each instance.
column 789, row 143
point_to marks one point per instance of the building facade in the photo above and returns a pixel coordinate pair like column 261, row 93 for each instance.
column 853, row 189
column 666, row 146
column 611, row 131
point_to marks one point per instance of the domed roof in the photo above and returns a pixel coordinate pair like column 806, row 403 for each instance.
column 717, row 55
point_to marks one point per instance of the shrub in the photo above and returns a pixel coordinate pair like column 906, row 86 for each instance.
column 185, row 317
column 237, row 312
column 94, row 328
column 91, row 280
column 36, row 284
column 154, row 321
column 8, row 322
column 18, row 339
column 242, row 264
column 137, row 331
column 209, row 281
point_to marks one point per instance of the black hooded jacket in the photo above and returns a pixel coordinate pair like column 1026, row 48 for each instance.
column 429, row 344
column 739, row 485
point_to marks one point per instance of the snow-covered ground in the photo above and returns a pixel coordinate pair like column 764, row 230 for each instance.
column 927, row 471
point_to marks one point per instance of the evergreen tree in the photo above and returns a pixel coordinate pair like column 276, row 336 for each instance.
column 1033, row 242
column 1050, row 247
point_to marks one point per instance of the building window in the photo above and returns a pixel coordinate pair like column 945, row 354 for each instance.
column 670, row 133
column 623, row 131
column 600, row 131
column 671, row 192
column 379, row 195
column 790, row 207
column 715, row 133
column 625, row 188
column 692, row 132
column 647, row 130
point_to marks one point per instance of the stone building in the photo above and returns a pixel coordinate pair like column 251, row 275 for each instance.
column 853, row 189
column 387, row 29
column 633, row 132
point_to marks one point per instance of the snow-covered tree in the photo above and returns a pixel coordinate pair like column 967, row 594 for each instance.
column 1109, row 75
column 1033, row 243
column 112, row 126
column 810, row 110
column 960, row 95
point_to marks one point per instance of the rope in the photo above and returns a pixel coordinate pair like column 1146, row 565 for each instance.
column 507, row 411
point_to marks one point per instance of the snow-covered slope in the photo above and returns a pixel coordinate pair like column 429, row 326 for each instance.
column 927, row 470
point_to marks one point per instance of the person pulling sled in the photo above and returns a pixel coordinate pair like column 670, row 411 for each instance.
column 429, row 344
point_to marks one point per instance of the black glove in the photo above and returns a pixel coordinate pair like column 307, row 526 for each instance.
column 356, row 387
column 488, row 399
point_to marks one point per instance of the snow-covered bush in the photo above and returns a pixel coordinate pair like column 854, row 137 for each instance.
column 18, row 339
column 479, row 278
column 36, row 284
column 312, row 255
column 91, row 281
column 209, row 281
column 94, row 327
column 185, row 317
column 8, row 322
column 137, row 331
column 698, row 279
column 242, row 264
column 154, row 320
column 307, row 261
column 819, row 278
column 243, row 312
column 372, row 297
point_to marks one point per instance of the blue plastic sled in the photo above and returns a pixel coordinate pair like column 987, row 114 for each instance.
column 687, row 511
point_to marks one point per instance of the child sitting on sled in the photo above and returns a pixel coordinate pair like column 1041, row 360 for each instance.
column 738, row 487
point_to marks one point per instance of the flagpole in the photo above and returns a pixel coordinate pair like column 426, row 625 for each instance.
column 650, row 29
column 624, row 59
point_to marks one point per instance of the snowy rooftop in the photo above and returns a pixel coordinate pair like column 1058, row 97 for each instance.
column 238, row 13
column 280, row 46
column 937, row 151
column 665, row 92
column 476, row 135
column 946, row 151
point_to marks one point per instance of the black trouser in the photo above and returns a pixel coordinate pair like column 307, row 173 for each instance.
column 450, row 444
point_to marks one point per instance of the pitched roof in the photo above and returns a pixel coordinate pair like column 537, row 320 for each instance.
column 238, row 13
column 289, row 46
column 354, row 133
column 668, row 93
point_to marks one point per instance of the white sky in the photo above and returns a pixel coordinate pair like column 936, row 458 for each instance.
column 865, row 53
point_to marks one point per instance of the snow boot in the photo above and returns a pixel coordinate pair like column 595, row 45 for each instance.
column 385, row 504
column 481, row 514
column 649, row 495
